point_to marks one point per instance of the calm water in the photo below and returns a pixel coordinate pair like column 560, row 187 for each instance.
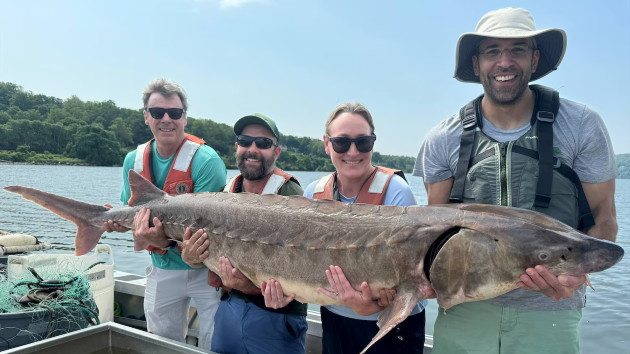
column 605, row 327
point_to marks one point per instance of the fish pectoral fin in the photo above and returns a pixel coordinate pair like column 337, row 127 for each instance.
column 395, row 313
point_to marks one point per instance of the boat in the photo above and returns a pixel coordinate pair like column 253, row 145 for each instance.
column 129, row 294
column 123, row 325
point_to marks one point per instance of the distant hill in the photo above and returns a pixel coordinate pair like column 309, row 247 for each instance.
column 623, row 165
column 40, row 129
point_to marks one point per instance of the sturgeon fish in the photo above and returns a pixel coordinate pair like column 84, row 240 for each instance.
column 465, row 252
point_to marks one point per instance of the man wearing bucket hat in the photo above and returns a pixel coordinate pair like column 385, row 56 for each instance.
column 244, row 323
column 520, row 145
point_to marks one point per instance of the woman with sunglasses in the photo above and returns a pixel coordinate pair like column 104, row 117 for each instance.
column 349, row 140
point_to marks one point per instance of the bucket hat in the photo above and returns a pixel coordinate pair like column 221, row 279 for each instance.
column 510, row 23
column 259, row 119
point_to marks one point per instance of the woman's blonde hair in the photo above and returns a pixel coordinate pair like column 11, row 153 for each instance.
column 353, row 108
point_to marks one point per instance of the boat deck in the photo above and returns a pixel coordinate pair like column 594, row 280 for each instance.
column 129, row 293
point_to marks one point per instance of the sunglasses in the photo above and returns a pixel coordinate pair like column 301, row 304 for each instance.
column 173, row 113
column 341, row 144
column 261, row 142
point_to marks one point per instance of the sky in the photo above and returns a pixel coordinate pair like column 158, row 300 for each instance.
column 296, row 60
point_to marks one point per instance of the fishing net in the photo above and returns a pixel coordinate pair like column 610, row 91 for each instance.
column 44, row 303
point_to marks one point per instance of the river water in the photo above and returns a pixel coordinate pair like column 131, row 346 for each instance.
column 605, row 326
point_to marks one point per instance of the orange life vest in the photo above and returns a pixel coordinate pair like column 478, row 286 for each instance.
column 179, row 178
column 274, row 182
column 372, row 192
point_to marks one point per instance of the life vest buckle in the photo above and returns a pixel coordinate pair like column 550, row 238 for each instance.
column 545, row 116
column 469, row 121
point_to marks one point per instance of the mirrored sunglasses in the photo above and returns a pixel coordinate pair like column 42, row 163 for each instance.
column 261, row 142
column 173, row 113
column 341, row 144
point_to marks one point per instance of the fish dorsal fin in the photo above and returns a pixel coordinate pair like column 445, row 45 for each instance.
column 142, row 191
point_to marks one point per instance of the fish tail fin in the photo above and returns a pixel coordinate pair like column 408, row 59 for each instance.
column 395, row 313
column 87, row 217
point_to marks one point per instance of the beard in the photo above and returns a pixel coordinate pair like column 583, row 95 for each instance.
column 266, row 167
column 505, row 96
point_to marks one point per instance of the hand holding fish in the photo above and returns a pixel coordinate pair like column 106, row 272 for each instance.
column 360, row 301
column 541, row 279
column 195, row 247
column 152, row 235
column 274, row 296
column 112, row 226
column 233, row 278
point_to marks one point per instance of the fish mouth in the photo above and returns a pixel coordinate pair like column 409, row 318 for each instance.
column 435, row 248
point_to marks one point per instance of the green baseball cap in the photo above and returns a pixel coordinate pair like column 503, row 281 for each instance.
column 259, row 119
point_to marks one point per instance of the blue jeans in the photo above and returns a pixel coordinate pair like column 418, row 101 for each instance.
column 242, row 327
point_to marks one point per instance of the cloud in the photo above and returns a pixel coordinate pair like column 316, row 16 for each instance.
column 226, row 4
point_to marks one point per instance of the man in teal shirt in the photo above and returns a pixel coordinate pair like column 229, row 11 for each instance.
column 177, row 163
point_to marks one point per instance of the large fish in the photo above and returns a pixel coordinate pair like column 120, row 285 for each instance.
column 465, row 252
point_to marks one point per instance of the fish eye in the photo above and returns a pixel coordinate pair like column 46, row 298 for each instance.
column 543, row 256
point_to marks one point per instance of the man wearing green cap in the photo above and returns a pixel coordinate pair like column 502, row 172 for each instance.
column 520, row 145
column 244, row 323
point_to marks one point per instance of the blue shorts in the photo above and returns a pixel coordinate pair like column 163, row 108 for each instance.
column 242, row 327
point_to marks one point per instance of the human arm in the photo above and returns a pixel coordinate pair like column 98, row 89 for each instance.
column 232, row 278
column 439, row 192
column 601, row 199
column 195, row 247
column 195, row 250
column 361, row 301
column 593, row 160
column 112, row 226
column 274, row 295
column 145, row 234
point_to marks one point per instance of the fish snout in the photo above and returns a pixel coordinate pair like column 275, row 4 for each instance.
column 600, row 256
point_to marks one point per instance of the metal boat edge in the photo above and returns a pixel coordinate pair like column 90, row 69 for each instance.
column 129, row 294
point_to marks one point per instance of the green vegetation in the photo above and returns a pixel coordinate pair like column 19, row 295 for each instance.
column 39, row 129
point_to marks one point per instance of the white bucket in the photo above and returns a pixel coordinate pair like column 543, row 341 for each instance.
column 100, row 277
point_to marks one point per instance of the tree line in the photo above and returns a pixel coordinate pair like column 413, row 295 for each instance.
column 40, row 129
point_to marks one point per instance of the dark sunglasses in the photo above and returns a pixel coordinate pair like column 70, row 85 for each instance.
column 341, row 144
column 173, row 113
column 261, row 142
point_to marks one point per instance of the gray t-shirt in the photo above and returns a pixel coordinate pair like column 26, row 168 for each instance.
column 580, row 140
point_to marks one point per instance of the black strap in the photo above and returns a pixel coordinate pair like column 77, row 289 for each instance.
column 586, row 220
column 468, row 116
column 548, row 102
column 293, row 308
column 586, row 216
